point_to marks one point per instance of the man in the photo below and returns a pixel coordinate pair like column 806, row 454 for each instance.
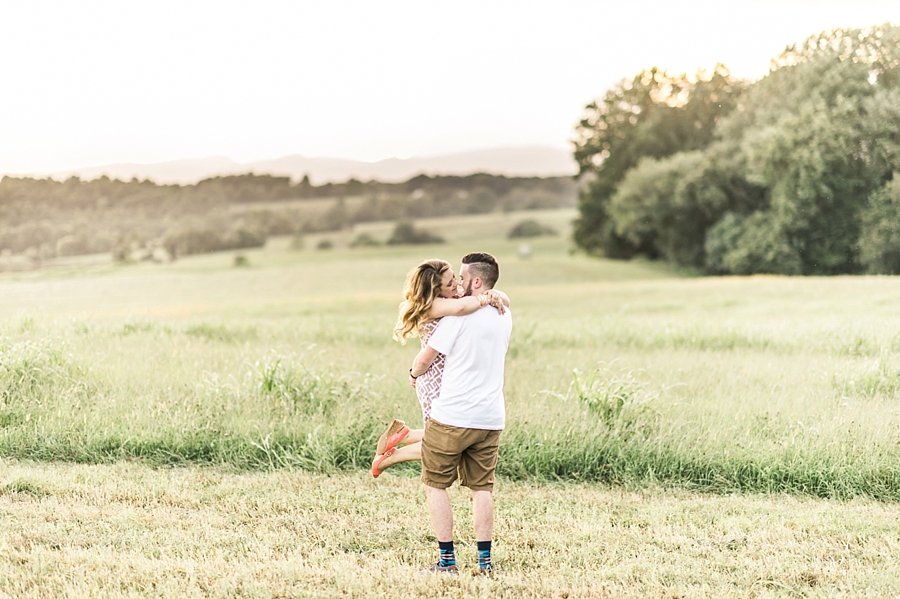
column 462, row 436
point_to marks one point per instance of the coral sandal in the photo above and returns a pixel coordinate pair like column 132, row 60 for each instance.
column 379, row 459
column 392, row 437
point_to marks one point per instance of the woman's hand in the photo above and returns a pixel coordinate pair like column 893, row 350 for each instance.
column 495, row 300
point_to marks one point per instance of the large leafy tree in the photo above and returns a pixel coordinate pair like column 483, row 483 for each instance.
column 795, row 179
column 653, row 115
column 880, row 241
column 819, row 134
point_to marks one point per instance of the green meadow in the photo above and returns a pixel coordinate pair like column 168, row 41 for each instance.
column 654, row 418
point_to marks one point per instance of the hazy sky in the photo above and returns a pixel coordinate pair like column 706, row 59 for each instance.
column 94, row 82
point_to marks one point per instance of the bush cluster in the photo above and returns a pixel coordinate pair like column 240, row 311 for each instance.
column 43, row 218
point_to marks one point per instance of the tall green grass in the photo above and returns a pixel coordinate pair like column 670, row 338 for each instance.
column 620, row 373
column 275, row 411
column 609, row 423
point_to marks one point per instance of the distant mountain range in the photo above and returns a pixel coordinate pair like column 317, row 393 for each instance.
column 537, row 161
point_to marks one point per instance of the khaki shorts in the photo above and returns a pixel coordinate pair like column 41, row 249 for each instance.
column 469, row 453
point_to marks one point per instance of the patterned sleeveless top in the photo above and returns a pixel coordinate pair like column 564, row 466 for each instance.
column 428, row 385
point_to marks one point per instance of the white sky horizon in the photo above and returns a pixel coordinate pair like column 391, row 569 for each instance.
column 100, row 82
column 564, row 147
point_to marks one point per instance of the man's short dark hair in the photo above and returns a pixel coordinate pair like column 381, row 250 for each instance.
column 484, row 266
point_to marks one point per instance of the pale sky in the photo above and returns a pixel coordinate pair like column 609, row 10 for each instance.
column 92, row 82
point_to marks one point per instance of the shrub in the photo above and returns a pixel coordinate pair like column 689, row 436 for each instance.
column 405, row 233
column 364, row 240
column 530, row 228
column 196, row 240
column 324, row 244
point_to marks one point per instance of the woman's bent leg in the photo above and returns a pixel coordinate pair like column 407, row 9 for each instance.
column 411, row 451
column 407, row 453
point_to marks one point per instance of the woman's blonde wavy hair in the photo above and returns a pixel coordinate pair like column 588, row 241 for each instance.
column 423, row 286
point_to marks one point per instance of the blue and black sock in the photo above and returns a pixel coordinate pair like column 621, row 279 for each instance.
column 448, row 554
column 484, row 555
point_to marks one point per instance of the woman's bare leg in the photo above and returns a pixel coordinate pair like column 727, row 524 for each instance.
column 407, row 453
column 410, row 451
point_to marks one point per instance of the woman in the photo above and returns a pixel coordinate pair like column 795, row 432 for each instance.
column 430, row 294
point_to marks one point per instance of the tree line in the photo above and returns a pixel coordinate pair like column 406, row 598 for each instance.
column 792, row 174
column 44, row 218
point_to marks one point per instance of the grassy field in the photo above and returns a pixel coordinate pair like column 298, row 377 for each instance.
column 125, row 530
column 666, row 435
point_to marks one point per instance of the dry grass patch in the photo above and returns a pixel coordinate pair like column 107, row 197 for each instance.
column 126, row 530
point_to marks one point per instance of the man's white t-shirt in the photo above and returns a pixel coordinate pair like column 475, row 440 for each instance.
column 472, row 385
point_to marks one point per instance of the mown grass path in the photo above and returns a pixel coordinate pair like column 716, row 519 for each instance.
column 127, row 530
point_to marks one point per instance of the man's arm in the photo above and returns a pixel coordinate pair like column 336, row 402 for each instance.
column 421, row 363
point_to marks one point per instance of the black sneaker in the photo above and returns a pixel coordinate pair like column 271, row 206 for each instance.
column 484, row 570
column 437, row 568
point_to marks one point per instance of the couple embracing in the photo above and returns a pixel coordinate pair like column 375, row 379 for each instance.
column 464, row 326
